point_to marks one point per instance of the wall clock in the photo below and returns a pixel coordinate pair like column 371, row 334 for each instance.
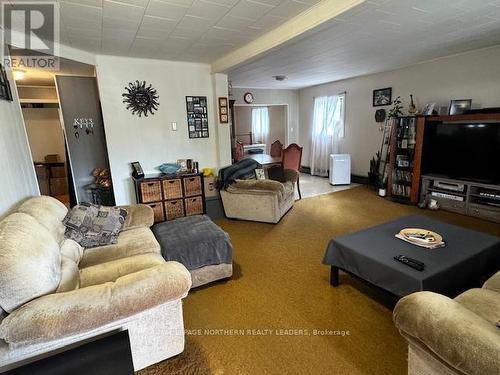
column 248, row 98
column 141, row 99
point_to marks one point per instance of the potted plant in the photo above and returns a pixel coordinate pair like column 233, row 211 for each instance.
column 397, row 108
column 374, row 175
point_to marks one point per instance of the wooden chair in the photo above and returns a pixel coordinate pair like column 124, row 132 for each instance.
column 239, row 151
column 276, row 149
column 292, row 159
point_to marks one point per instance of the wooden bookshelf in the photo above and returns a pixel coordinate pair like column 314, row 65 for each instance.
column 416, row 163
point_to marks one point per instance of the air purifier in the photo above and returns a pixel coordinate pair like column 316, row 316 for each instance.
column 340, row 169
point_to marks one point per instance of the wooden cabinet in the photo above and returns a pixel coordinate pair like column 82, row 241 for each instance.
column 171, row 196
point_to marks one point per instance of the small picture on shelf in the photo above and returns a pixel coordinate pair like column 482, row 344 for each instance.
column 459, row 106
column 428, row 109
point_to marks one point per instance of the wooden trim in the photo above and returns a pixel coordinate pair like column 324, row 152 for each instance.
column 466, row 117
column 392, row 155
column 417, row 160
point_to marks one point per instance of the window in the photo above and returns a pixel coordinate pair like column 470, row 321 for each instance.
column 328, row 127
column 260, row 124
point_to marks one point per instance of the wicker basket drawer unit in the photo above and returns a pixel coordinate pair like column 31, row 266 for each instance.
column 174, row 209
column 192, row 186
column 194, row 205
column 158, row 211
column 172, row 188
column 150, row 191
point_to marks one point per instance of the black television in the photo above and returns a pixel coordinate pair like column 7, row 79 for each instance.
column 462, row 151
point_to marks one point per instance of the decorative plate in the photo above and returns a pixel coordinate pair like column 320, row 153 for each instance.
column 423, row 236
column 141, row 99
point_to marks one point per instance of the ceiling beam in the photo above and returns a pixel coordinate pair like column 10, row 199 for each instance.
column 305, row 21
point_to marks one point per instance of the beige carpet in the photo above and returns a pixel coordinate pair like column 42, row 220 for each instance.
column 281, row 285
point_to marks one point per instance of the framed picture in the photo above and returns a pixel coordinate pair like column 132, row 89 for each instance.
column 223, row 109
column 260, row 174
column 197, row 116
column 382, row 97
column 459, row 106
column 428, row 109
column 5, row 92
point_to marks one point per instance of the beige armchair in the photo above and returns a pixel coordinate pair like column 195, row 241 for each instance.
column 452, row 336
column 54, row 293
column 259, row 200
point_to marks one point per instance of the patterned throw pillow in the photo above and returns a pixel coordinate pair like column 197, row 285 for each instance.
column 91, row 225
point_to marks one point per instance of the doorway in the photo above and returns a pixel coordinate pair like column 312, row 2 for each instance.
column 57, row 108
column 246, row 119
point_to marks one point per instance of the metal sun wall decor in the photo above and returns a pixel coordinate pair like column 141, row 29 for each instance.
column 141, row 99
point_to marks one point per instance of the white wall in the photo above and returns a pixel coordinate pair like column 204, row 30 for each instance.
column 45, row 134
column 473, row 75
column 150, row 140
column 17, row 174
column 290, row 97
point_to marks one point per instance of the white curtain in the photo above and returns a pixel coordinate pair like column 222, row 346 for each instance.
column 260, row 124
column 328, row 127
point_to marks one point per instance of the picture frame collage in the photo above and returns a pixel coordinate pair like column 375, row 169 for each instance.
column 197, row 116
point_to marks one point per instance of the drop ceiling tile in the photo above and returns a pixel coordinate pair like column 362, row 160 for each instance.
column 121, row 23
column 175, row 44
column 250, row 9
column 206, row 9
column 87, row 44
column 187, row 33
column 195, row 23
column 165, row 10
column 268, row 21
column 228, row 3
column 117, row 46
column 139, row 3
column 83, row 22
column 115, row 9
column 93, row 3
column 69, row 10
column 149, row 33
column 238, row 23
column 158, row 23
column 114, row 33
column 181, row 3
column 84, row 33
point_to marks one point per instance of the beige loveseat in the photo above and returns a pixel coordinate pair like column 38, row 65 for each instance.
column 452, row 336
column 258, row 200
column 53, row 293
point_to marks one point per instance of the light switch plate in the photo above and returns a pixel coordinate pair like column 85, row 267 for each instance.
column 174, row 126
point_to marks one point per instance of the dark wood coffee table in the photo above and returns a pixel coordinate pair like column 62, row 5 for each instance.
column 369, row 254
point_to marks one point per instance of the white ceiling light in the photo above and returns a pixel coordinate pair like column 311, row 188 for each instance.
column 19, row 74
column 280, row 77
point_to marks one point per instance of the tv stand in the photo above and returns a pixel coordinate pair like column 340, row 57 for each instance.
column 463, row 197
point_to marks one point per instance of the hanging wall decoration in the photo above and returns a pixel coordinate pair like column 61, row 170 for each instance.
column 141, row 99
column 223, row 111
column 197, row 116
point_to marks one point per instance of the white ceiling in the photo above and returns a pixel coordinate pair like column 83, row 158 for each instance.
column 186, row 30
column 378, row 35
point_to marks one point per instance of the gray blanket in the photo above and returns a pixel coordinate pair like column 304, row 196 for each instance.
column 194, row 241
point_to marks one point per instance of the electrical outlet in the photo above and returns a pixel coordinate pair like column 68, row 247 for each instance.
column 174, row 126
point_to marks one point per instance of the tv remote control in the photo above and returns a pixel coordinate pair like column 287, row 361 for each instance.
column 410, row 262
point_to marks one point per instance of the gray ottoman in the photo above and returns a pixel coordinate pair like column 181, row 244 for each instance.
column 199, row 244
